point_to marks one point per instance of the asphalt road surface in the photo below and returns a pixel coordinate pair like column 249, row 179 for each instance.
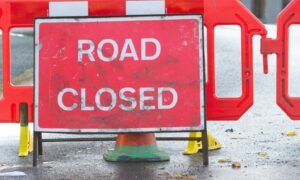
column 258, row 141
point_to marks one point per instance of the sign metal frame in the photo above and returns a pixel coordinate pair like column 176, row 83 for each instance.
column 202, row 120
column 37, row 137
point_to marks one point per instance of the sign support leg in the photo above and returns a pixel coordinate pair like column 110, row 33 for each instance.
column 204, row 132
column 40, row 143
column 205, row 147
column 35, row 148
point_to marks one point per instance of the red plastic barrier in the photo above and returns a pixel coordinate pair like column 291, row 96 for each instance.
column 16, row 14
column 21, row 13
column 230, row 12
column 289, row 16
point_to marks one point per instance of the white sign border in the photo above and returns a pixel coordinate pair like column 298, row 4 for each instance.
column 199, row 18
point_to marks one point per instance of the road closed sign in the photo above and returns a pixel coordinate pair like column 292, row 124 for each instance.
column 119, row 74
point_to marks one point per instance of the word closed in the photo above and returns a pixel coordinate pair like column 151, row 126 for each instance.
column 121, row 95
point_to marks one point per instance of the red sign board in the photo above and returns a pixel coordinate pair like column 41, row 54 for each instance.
column 119, row 74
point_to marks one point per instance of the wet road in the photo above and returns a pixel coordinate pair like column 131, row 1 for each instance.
column 258, row 141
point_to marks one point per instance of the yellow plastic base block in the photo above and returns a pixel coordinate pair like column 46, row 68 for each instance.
column 196, row 146
column 26, row 145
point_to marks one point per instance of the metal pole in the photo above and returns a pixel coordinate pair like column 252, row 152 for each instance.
column 40, row 143
column 204, row 132
column 35, row 149
column 114, row 139
column 205, row 147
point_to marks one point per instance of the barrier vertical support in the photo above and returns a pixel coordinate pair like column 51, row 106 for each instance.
column 25, row 137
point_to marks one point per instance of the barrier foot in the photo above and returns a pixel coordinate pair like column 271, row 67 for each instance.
column 196, row 146
column 137, row 147
column 26, row 144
